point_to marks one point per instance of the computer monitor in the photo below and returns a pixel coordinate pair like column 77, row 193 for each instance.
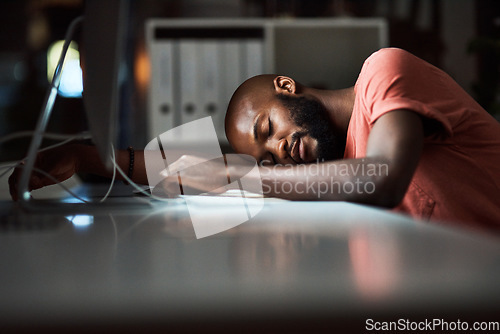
column 103, row 38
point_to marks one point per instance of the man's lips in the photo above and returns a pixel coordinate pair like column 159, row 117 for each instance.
column 302, row 151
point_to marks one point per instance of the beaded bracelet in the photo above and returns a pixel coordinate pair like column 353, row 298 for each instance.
column 130, row 172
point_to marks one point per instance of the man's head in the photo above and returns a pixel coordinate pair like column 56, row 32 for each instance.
column 271, row 119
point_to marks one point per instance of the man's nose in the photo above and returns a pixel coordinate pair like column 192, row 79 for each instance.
column 278, row 148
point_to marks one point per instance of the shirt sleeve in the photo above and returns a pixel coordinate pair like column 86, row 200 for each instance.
column 393, row 79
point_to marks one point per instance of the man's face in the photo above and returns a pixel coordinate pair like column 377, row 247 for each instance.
column 286, row 130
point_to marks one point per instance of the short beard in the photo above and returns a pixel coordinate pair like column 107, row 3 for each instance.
column 310, row 115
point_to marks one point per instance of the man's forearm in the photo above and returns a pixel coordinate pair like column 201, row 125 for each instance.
column 366, row 180
column 90, row 162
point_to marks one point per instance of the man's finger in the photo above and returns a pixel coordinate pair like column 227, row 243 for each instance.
column 14, row 180
column 169, row 187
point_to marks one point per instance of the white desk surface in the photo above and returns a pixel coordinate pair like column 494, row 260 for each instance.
column 300, row 266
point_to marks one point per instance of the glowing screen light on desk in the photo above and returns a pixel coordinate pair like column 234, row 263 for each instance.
column 71, row 79
column 81, row 221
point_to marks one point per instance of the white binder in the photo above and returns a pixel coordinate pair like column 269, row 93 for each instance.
column 232, row 71
column 209, row 83
column 189, row 66
column 254, row 64
column 162, row 99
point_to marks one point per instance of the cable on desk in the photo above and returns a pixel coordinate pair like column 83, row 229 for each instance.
column 114, row 175
column 44, row 173
column 135, row 185
column 69, row 138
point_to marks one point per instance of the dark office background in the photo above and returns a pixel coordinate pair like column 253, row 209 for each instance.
column 460, row 36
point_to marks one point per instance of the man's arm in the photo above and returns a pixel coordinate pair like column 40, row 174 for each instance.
column 62, row 162
column 381, row 178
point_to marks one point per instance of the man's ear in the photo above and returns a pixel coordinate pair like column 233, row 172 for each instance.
column 284, row 84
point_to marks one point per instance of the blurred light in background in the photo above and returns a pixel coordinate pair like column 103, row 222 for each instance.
column 142, row 70
column 71, row 79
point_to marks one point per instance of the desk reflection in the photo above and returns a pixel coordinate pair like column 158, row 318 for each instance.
column 291, row 261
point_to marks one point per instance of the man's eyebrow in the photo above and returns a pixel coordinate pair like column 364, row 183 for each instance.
column 255, row 129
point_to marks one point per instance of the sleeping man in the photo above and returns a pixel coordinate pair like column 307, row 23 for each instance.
column 405, row 137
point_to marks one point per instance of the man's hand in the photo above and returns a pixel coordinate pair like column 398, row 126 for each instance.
column 192, row 175
column 195, row 175
column 61, row 163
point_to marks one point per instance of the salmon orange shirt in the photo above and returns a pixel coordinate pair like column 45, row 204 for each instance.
column 457, row 180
